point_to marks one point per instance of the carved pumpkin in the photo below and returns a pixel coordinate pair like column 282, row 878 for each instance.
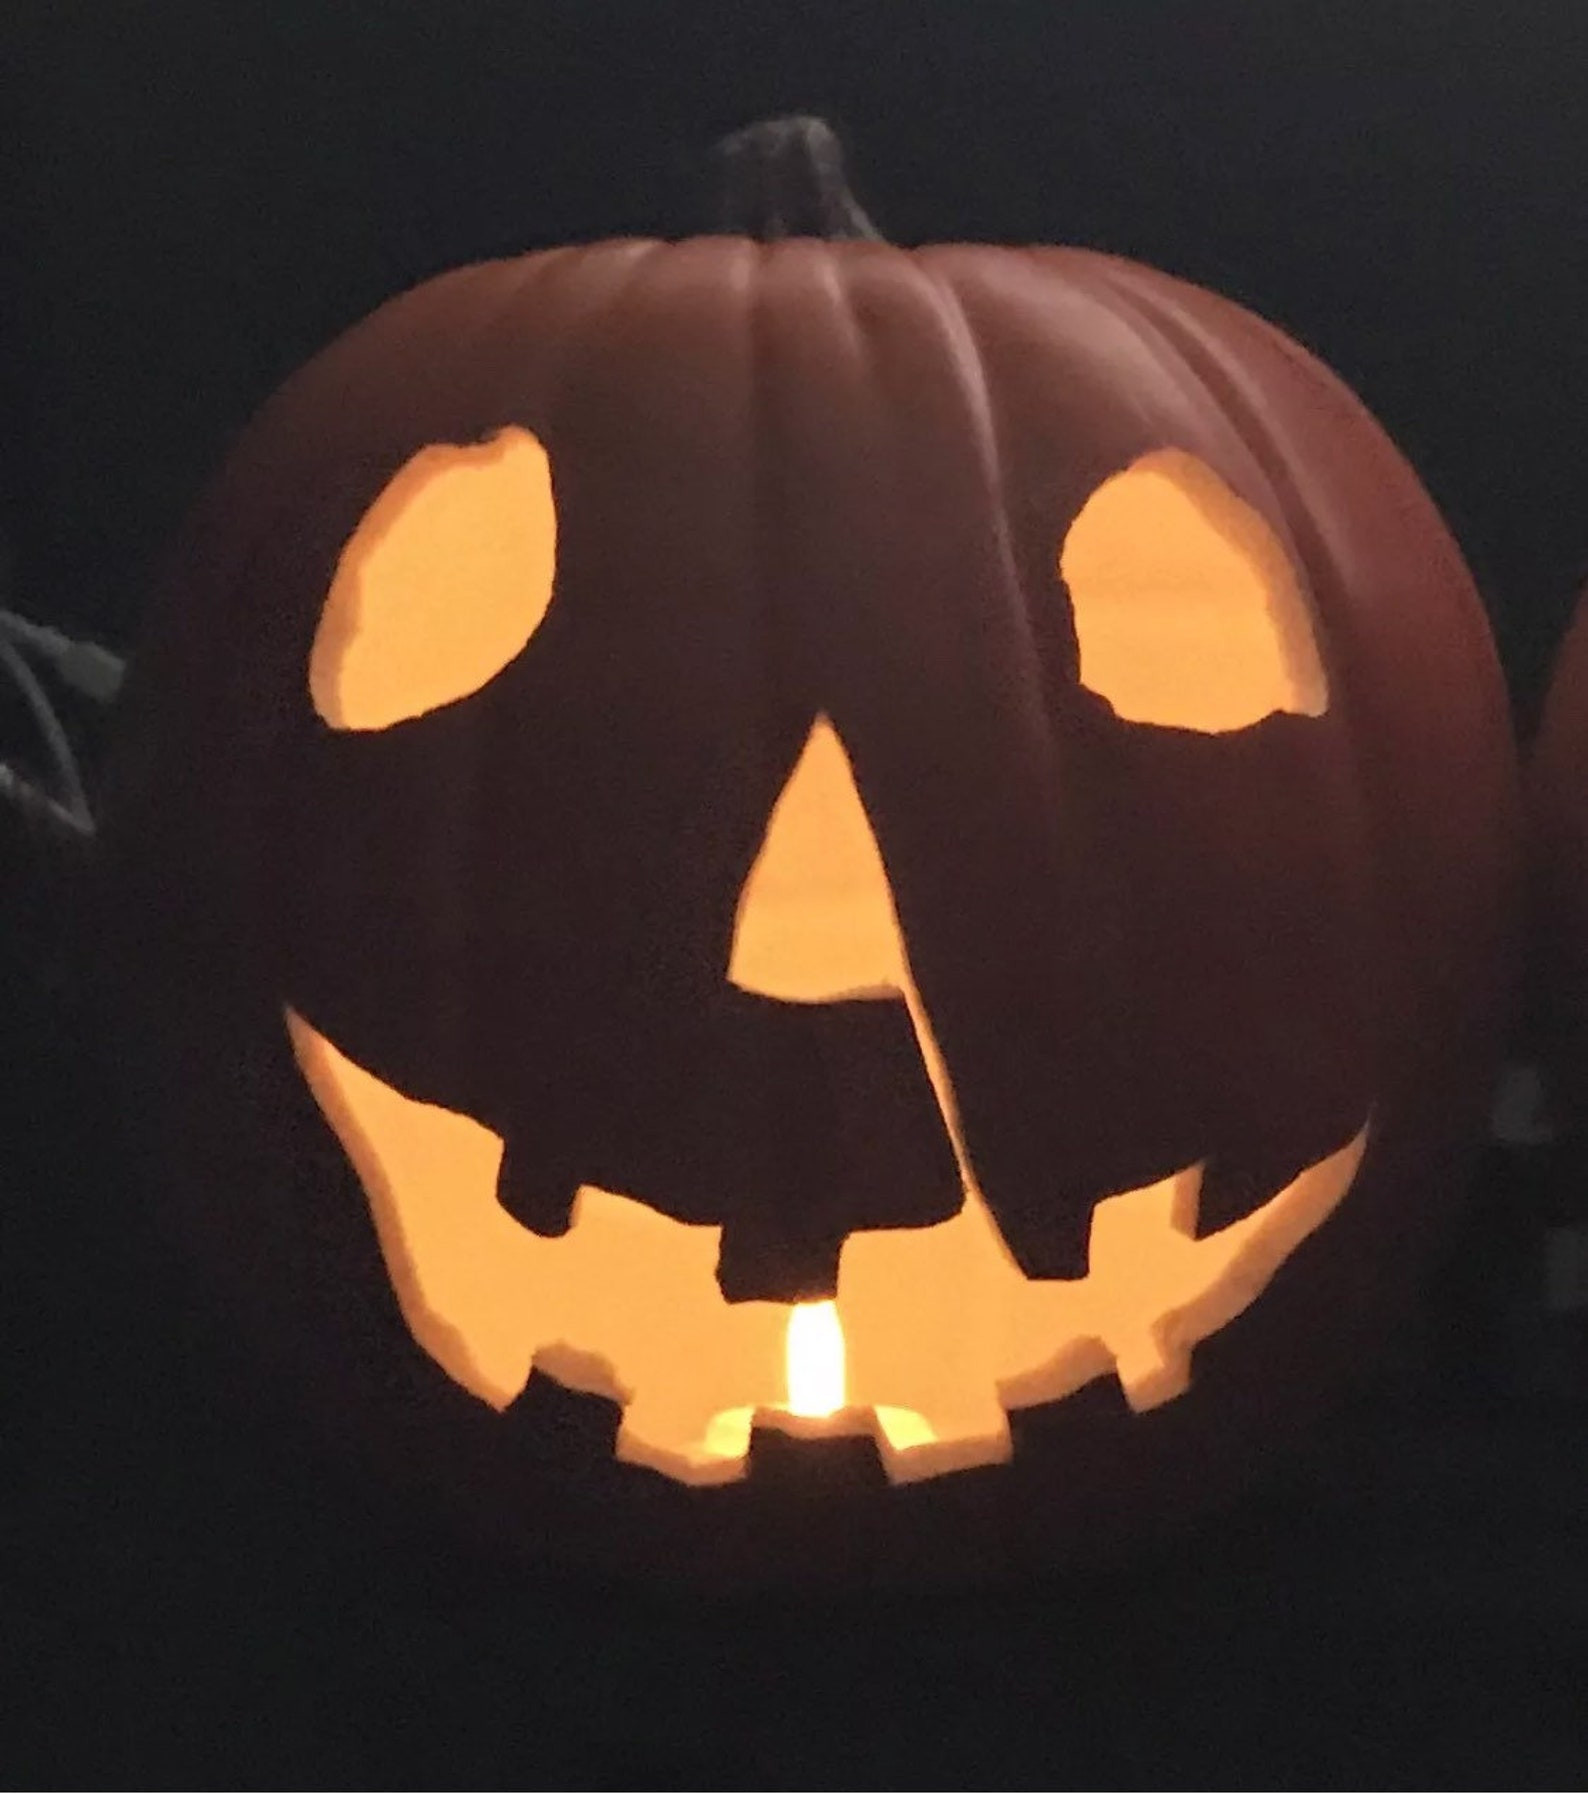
column 747, row 839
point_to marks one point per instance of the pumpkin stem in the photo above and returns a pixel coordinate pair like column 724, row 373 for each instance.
column 784, row 177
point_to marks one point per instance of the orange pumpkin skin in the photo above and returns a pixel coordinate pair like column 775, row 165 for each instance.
column 795, row 480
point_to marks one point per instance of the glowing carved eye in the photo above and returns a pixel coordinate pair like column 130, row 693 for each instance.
column 1187, row 607
column 446, row 578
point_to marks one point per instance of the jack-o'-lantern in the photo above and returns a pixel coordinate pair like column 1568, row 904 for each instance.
column 763, row 856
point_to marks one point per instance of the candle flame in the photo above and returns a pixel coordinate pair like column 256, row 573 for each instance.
column 815, row 1360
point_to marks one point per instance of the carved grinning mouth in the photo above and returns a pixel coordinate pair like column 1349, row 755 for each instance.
column 944, row 1334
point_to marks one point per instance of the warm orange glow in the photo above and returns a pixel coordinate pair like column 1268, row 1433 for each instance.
column 941, row 1333
column 625, row 1304
column 815, row 1356
column 935, row 1335
column 1187, row 607
column 816, row 918
column 446, row 578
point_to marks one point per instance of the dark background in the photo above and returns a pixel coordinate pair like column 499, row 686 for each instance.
column 197, row 194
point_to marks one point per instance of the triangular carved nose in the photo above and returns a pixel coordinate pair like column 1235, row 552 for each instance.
column 816, row 916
